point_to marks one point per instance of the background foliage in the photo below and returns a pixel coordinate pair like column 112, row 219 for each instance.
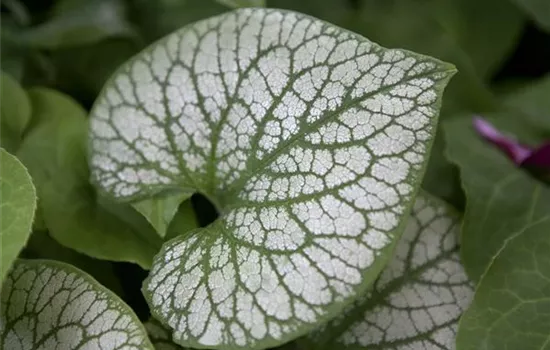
column 57, row 55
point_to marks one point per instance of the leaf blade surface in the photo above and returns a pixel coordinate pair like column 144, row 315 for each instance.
column 285, row 123
column 16, row 210
column 48, row 304
column 419, row 298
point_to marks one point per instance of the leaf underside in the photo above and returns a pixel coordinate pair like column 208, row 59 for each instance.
column 418, row 299
column 309, row 139
column 52, row 305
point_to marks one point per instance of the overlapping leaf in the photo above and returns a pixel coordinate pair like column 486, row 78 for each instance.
column 160, row 211
column 418, row 299
column 511, row 305
column 505, row 230
column 55, row 153
column 16, row 209
column 51, row 305
column 309, row 139
column 502, row 200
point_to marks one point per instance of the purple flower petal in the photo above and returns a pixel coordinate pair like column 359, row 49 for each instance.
column 517, row 152
column 539, row 158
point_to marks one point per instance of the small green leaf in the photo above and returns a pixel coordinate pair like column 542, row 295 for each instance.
column 160, row 336
column 502, row 200
column 79, row 22
column 310, row 140
column 512, row 301
column 539, row 10
column 52, row 305
column 419, row 297
column 242, row 3
column 161, row 210
column 16, row 210
column 15, row 112
column 55, row 153
column 184, row 221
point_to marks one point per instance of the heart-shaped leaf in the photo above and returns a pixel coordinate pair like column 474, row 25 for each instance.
column 309, row 139
column 16, row 210
column 418, row 299
column 52, row 305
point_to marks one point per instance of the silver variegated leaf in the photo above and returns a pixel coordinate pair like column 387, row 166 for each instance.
column 49, row 305
column 309, row 139
column 418, row 300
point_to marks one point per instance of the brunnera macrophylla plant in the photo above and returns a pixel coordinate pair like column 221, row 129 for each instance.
column 310, row 140
column 53, row 305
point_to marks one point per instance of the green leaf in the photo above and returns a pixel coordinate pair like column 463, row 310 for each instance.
column 79, row 22
column 16, row 210
column 510, row 307
column 502, row 200
column 55, row 153
column 419, row 297
column 52, row 305
column 539, row 10
column 160, row 336
column 309, row 139
column 184, row 221
column 51, row 105
column 242, row 3
column 15, row 112
column 161, row 210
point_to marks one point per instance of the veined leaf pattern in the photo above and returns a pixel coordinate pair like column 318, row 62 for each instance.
column 51, row 305
column 420, row 296
column 308, row 138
